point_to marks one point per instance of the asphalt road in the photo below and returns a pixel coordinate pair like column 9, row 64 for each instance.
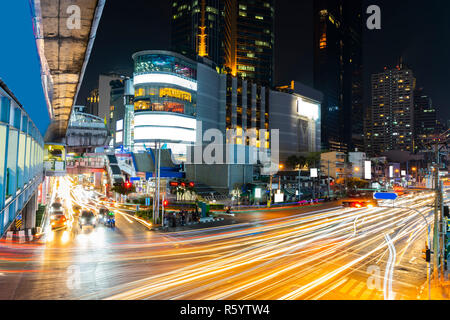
column 326, row 253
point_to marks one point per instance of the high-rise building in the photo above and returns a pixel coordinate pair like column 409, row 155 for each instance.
column 249, row 39
column 425, row 118
column 92, row 102
column 390, row 117
column 104, row 94
column 196, row 28
column 237, row 35
column 338, row 72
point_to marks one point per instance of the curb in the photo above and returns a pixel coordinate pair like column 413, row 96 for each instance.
column 21, row 236
column 212, row 220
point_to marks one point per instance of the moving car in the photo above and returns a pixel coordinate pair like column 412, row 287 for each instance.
column 56, row 206
column 359, row 203
column 87, row 219
column 360, row 199
column 102, row 214
column 58, row 221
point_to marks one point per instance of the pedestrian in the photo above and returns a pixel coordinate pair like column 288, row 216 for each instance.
column 183, row 219
column 174, row 220
column 165, row 223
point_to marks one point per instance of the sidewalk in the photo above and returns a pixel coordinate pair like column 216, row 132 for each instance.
column 204, row 223
column 274, row 208
column 440, row 293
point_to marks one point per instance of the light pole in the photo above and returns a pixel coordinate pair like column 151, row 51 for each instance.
column 414, row 169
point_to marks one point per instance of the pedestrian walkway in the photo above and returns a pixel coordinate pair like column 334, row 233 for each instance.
column 203, row 223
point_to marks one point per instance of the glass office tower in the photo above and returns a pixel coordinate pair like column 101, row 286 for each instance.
column 237, row 35
column 338, row 72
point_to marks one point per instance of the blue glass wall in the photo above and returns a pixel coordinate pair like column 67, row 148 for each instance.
column 21, row 159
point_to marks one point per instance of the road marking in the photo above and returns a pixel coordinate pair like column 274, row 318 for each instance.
column 347, row 286
column 388, row 293
column 332, row 288
column 367, row 293
column 357, row 289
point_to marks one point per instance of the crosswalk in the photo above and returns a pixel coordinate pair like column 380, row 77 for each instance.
column 354, row 289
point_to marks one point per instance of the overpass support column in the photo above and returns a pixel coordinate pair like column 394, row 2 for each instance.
column 29, row 212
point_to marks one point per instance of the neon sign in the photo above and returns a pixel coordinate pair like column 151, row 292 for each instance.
column 175, row 93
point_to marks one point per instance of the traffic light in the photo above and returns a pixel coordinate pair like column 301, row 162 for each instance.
column 191, row 184
column 426, row 254
column 128, row 185
column 165, row 203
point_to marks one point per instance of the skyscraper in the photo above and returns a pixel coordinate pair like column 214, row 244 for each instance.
column 390, row 118
column 249, row 39
column 425, row 118
column 237, row 35
column 338, row 72
column 196, row 28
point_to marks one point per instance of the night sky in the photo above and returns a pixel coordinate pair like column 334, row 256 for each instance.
column 417, row 30
column 19, row 62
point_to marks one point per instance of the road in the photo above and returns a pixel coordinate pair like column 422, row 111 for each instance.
column 329, row 253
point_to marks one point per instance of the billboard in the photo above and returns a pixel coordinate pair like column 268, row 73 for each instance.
column 368, row 170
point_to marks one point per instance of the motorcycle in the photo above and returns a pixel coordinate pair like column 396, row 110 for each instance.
column 110, row 220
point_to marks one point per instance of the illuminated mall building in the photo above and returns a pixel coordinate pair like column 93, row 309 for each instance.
column 165, row 101
column 176, row 100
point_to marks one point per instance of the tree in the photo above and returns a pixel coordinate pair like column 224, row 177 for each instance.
column 356, row 183
column 294, row 162
column 291, row 162
column 120, row 188
column 313, row 159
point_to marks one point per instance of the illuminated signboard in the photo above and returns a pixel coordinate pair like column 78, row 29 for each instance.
column 119, row 137
column 165, row 78
column 164, row 127
column 368, row 170
column 175, row 93
column 307, row 109
column 279, row 197
column 119, row 125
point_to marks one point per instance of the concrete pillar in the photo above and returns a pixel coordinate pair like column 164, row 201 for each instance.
column 29, row 213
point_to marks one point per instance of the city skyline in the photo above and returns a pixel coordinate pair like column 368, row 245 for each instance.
column 290, row 64
column 215, row 153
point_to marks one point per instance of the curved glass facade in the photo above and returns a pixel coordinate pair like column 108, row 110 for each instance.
column 171, row 86
column 165, row 98
column 165, row 101
column 164, row 63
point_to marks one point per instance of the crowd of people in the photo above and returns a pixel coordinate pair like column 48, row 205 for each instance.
column 180, row 218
